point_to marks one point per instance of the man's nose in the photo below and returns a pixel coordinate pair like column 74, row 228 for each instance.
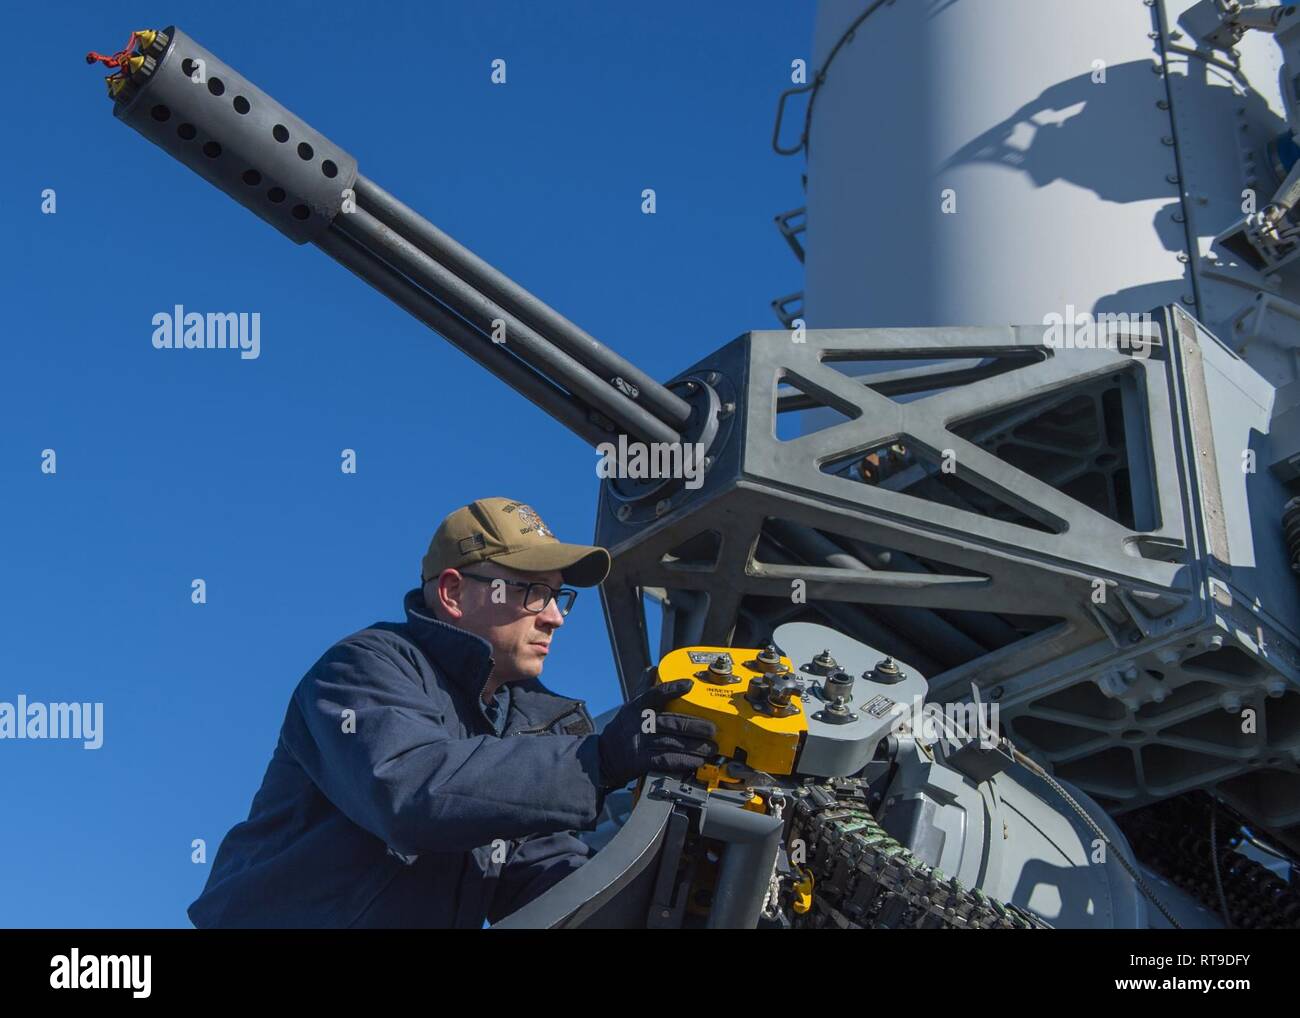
column 551, row 615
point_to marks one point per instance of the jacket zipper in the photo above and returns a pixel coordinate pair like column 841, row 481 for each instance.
column 577, row 708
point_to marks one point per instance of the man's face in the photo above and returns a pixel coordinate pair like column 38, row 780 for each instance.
column 520, row 639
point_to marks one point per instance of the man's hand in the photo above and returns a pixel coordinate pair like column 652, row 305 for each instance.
column 634, row 742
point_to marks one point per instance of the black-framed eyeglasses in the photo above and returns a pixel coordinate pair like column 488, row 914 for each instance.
column 536, row 595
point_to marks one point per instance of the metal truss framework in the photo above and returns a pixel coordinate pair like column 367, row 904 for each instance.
column 1049, row 524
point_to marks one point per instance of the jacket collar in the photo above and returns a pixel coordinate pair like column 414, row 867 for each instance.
column 462, row 656
column 466, row 659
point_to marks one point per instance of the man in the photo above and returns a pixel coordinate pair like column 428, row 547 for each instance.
column 424, row 776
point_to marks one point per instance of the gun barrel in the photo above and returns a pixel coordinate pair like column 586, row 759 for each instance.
column 475, row 308
column 205, row 114
column 664, row 404
column 402, row 292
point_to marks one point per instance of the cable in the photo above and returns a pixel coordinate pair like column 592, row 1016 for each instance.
column 1214, row 860
column 1132, row 871
column 1016, row 756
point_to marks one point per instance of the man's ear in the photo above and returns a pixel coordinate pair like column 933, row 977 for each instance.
column 448, row 595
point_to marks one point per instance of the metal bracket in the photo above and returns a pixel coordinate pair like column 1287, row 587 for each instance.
column 790, row 230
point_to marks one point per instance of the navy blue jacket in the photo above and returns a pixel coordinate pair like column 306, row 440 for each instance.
column 430, row 811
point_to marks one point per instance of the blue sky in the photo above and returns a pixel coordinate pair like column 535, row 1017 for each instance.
column 173, row 465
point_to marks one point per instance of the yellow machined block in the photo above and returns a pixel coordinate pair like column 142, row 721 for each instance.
column 757, row 738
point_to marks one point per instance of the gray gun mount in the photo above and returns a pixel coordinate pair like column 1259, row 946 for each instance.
column 1081, row 532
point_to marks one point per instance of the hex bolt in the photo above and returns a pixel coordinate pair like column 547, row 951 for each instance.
column 886, row 670
column 769, row 659
column 825, row 663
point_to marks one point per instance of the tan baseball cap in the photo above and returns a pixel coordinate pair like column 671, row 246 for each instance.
column 510, row 533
